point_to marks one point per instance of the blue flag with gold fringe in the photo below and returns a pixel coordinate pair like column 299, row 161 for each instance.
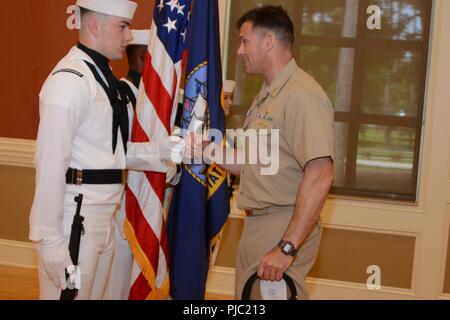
column 200, row 203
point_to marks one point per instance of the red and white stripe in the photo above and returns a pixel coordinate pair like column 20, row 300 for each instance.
column 154, row 120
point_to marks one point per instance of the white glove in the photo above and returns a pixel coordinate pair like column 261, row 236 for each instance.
column 171, row 148
column 54, row 254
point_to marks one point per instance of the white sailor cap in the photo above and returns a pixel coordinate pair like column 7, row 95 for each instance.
column 295, row 287
column 140, row 37
column 118, row 8
column 228, row 86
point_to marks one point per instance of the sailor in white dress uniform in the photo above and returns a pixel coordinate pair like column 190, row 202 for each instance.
column 82, row 148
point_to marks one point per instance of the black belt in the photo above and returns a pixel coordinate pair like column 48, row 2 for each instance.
column 80, row 177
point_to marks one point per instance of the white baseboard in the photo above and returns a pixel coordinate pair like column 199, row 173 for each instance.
column 18, row 254
column 322, row 289
column 221, row 281
column 17, row 152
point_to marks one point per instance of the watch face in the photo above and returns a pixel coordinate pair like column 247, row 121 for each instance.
column 287, row 248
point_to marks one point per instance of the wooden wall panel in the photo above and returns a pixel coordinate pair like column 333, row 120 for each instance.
column 34, row 39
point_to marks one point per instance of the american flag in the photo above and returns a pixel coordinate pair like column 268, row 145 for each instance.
column 156, row 111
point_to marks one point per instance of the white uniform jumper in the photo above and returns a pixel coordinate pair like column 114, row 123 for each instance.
column 75, row 131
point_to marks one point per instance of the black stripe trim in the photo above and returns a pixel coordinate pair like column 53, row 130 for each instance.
column 75, row 72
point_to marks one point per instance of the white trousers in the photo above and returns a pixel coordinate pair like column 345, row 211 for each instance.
column 96, row 252
column 119, row 282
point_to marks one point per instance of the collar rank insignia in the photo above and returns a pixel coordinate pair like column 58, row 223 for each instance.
column 265, row 116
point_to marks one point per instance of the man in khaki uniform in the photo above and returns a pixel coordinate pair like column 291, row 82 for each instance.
column 282, row 229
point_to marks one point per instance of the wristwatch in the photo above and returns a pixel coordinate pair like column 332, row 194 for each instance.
column 288, row 248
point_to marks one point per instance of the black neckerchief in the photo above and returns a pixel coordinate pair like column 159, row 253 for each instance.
column 118, row 104
column 125, row 87
column 135, row 77
column 100, row 60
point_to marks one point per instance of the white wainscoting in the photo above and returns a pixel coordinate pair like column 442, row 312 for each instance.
column 17, row 152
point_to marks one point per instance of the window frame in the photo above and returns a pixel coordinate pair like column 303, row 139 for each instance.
column 355, row 118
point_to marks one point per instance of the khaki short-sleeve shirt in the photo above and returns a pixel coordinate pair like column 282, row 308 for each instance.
column 299, row 109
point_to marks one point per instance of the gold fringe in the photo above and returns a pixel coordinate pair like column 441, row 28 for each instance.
column 146, row 267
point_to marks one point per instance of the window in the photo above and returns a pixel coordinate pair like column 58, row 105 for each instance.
column 374, row 78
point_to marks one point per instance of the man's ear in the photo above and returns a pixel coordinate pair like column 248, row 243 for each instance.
column 270, row 39
column 93, row 25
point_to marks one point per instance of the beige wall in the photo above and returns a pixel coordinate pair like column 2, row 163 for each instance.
column 344, row 255
column 228, row 244
column 16, row 196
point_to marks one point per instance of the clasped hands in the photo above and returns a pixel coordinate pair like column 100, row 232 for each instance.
column 199, row 148
column 192, row 146
column 174, row 150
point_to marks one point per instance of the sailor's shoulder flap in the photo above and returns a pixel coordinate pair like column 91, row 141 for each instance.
column 68, row 70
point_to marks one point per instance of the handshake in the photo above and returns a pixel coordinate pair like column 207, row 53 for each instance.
column 192, row 148
column 199, row 149
column 165, row 154
column 178, row 150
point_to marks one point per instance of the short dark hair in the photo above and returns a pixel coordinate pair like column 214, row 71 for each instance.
column 84, row 11
column 273, row 18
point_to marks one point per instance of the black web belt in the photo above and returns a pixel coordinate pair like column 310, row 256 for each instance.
column 80, row 177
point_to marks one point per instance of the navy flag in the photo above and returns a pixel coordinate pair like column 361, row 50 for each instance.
column 200, row 205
